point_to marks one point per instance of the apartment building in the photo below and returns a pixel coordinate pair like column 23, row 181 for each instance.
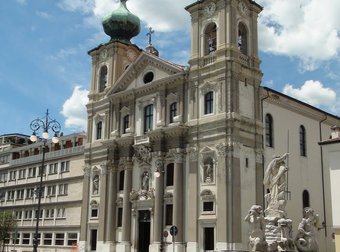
column 59, row 217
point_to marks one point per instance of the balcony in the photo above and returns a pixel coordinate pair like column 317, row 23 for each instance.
column 244, row 59
column 207, row 60
column 49, row 155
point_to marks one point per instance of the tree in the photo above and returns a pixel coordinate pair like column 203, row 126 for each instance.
column 8, row 224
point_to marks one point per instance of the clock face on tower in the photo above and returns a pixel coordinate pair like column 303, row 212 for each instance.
column 209, row 9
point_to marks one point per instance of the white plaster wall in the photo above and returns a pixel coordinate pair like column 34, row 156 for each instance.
column 246, row 102
column 305, row 173
column 248, row 187
column 334, row 167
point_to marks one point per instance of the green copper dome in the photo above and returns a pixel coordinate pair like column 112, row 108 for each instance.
column 121, row 24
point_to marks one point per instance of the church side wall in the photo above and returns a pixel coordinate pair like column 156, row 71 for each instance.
column 305, row 172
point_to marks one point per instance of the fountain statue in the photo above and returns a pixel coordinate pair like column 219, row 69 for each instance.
column 305, row 240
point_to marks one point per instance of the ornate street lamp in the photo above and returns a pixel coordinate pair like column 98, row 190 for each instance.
column 45, row 124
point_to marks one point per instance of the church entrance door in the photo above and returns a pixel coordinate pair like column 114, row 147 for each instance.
column 143, row 230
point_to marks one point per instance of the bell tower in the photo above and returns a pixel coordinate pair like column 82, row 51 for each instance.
column 224, row 30
column 224, row 112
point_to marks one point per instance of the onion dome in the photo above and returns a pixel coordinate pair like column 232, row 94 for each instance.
column 121, row 24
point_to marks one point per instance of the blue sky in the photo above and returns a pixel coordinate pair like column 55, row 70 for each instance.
column 44, row 43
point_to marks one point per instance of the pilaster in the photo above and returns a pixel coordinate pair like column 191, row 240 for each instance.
column 178, row 202
column 103, row 202
column 126, row 232
column 85, row 203
column 192, row 229
column 223, row 221
column 111, row 209
column 159, row 194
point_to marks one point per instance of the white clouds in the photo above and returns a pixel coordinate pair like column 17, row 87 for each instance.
column 22, row 2
column 312, row 92
column 84, row 6
column 164, row 16
column 43, row 14
column 305, row 29
column 74, row 109
column 169, row 16
column 64, row 53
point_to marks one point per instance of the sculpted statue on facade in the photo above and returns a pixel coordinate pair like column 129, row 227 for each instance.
column 275, row 180
column 305, row 240
column 141, row 195
column 95, row 184
column 208, row 172
column 257, row 241
column 145, row 181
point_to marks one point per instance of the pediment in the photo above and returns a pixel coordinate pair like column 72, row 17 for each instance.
column 145, row 70
column 207, row 149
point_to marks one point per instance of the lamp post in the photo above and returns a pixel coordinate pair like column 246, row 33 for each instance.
column 45, row 124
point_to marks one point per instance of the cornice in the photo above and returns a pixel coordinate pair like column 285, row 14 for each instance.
column 296, row 106
column 137, row 67
column 148, row 88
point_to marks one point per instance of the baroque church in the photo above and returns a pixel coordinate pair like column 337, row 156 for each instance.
column 176, row 154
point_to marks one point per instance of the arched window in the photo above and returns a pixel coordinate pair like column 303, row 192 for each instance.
column 242, row 39
column 121, row 181
column 99, row 130
column 210, row 38
column 208, row 170
column 269, row 130
column 148, row 118
column 125, row 123
column 302, row 134
column 173, row 111
column 305, row 199
column 208, row 102
column 169, row 175
column 103, row 78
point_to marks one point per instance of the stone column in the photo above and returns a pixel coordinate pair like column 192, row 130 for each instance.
column 85, row 205
column 221, row 181
column 192, row 200
column 158, row 213
column 102, row 204
column 111, row 209
column 178, row 200
column 126, row 232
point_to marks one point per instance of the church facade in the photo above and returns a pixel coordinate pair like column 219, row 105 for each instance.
column 186, row 147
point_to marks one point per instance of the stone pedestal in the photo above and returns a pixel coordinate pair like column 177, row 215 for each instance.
column 123, row 247
column 279, row 234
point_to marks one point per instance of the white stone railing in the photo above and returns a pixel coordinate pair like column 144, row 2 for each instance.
column 244, row 59
column 209, row 60
column 49, row 155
